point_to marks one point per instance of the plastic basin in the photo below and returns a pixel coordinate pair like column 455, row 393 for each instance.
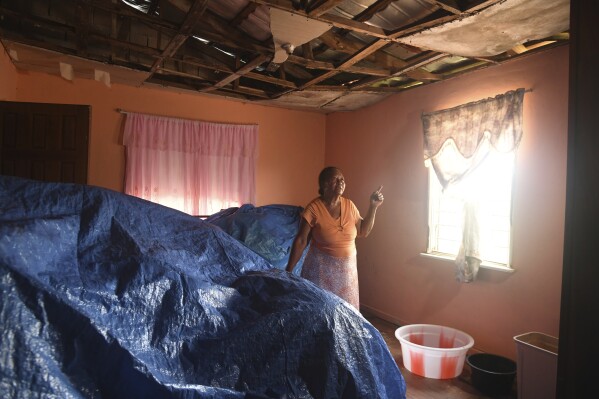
column 433, row 351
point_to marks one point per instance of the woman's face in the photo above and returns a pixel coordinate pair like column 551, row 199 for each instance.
column 335, row 183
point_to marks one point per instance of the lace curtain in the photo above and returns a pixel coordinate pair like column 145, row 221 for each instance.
column 457, row 141
column 193, row 166
column 471, row 131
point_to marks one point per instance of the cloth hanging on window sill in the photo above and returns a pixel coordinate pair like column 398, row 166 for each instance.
column 469, row 259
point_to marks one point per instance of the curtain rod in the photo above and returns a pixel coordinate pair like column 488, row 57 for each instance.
column 125, row 112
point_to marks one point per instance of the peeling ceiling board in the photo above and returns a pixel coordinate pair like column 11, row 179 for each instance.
column 351, row 101
column 291, row 30
column 346, row 54
column 495, row 29
column 305, row 98
column 29, row 58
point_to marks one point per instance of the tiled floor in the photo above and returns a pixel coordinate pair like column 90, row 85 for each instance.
column 428, row 388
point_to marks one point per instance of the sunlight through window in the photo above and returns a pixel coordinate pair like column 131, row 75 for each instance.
column 490, row 185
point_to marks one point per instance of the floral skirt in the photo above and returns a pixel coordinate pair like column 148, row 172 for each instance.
column 337, row 275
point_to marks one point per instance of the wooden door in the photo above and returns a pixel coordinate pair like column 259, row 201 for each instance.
column 46, row 142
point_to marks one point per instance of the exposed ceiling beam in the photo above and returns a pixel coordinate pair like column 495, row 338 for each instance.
column 372, row 10
column 271, row 80
column 340, row 89
column 352, row 46
column 195, row 13
column 217, row 29
column 309, row 63
column 483, row 5
column 174, row 72
column 149, row 51
column 220, row 47
column 323, row 7
column 363, row 53
column 329, row 66
column 307, row 51
column 240, row 72
column 355, row 26
column 247, row 91
column 319, row 79
column 297, row 72
column 212, row 65
column 450, row 6
column 418, row 62
column 334, row 20
column 126, row 11
column 239, row 18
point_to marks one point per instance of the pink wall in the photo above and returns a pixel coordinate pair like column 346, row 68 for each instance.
column 291, row 143
column 8, row 77
column 382, row 144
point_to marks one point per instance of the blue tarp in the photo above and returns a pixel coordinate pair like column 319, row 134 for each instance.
column 108, row 296
column 268, row 230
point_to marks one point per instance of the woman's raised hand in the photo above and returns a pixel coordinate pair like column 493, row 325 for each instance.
column 376, row 199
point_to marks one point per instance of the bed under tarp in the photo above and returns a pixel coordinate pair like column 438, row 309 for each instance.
column 268, row 230
column 108, row 296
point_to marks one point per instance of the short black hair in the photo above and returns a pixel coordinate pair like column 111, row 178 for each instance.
column 324, row 175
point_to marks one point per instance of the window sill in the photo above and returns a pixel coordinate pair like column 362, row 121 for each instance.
column 484, row 265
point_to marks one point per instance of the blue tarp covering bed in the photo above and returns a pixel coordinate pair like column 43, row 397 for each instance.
column 108, row 296
column 268, row 230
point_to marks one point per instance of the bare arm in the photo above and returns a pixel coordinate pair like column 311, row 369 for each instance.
column 365, row 226
column 299, row 244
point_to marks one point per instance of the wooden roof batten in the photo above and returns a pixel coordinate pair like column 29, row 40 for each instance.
column 220, row 48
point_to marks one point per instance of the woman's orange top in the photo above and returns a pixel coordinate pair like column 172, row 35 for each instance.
column 336, row 237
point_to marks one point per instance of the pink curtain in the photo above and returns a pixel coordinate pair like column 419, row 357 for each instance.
column 193, row 166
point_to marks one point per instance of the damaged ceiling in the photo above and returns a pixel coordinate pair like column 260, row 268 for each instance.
column 324, row 55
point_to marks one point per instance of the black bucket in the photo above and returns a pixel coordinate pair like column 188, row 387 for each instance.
column 492, row 374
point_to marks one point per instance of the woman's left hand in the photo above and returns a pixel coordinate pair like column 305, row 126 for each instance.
column 376, row 199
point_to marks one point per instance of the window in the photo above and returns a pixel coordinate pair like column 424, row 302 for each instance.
column 193, row 166
column 471, row 152
column 490, row 189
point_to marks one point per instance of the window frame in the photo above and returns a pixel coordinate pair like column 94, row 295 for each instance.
column 449, row 257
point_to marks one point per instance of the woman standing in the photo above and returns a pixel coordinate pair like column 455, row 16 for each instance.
column 332, row 223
